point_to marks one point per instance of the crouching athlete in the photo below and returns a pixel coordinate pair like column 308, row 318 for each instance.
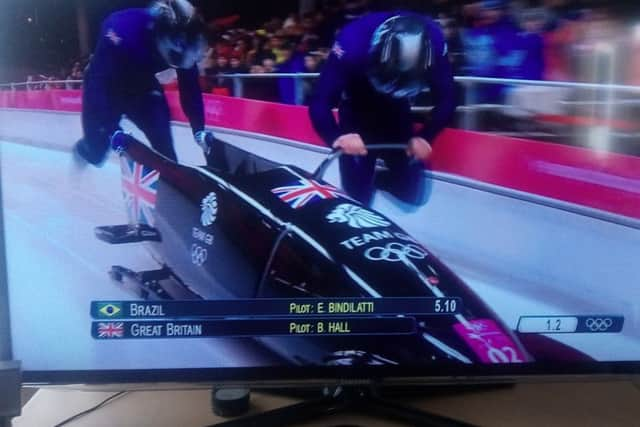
column 134, row 45
column 377, row 65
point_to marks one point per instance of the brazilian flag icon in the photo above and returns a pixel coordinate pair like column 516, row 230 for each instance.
column 109, row 310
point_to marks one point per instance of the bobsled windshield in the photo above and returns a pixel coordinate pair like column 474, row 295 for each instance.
column 231, row 160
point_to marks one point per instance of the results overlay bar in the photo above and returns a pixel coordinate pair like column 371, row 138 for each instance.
column 109, row 330
column 276, row 307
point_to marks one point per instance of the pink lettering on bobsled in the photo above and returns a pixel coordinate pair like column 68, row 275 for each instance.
column 489, row 342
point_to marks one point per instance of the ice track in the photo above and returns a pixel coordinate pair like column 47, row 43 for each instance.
column 56, row 267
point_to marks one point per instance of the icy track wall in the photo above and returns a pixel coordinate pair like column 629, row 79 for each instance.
column 606, row 182
column 537, row 228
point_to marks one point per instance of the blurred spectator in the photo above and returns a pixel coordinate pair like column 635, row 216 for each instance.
column 597, row 59
column 269, row 65
column 257, row 69
column 280, row 49
column 30, row 84
column 308, row 23
column 240, row 50
column 261, row 50
column 524, row 103
column 52, row 83
column 311, row 64
column 454, row 42
column 262, row 88
column 559, row 39
column 214, row 74
column 222, row 65
column 531, row 46
column 207, row 63
column 237, row 66
column 223, row 48
column 294, row 63
column 489, row 46
column 443, row 9
column 77, row 73
column 354, row 9
column 633, row 67
column 291, row 21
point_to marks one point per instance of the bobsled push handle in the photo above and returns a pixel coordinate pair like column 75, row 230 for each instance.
column 336, row 154
column 120, row 141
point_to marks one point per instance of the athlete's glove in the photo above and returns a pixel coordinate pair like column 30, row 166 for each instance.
column 205, row 140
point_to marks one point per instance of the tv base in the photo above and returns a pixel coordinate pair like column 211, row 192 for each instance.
column 364, row 400
column 10, row 383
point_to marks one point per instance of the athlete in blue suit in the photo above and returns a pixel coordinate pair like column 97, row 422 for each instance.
column 134, row 45
column 377, row 65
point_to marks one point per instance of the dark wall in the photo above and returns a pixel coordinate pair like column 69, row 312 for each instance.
column 36, row 32
column 42, row 35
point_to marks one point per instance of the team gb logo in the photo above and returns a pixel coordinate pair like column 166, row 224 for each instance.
column 209, row 210
column 356, row 217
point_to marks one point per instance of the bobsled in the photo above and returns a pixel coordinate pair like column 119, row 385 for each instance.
column 244, row 227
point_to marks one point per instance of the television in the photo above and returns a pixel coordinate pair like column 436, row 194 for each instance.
column 247, row 260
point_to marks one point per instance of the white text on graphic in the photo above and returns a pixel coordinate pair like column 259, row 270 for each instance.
column 144, row 310
column 203, row 236
column 376, row 236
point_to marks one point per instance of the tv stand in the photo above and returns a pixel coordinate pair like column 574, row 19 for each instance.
column 10, row 382
column 365, row 400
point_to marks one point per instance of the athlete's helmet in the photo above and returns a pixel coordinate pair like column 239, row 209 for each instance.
column 400, row 56
column 179, row 32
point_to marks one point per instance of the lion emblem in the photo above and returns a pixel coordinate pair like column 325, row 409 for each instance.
column 356, row 217
column 209, row 210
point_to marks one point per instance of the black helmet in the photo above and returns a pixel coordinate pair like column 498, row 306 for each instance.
column 400, row 56
column 179, row 32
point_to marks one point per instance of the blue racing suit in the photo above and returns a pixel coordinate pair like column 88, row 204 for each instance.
column 378, row 118
column 121, row 80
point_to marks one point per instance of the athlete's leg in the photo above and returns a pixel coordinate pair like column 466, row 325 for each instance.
column 357, row 174
column 405, row 176
column 100, row 118
column 404, row 179
column 150, row 112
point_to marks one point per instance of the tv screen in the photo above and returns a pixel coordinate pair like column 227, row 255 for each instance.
column 348, row 190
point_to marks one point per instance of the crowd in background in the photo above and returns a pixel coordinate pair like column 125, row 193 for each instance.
column 292, row 44
column 534, row 40
column 65, row 79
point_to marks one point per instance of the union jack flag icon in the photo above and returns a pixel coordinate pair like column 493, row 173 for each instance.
column 305, row 191
column 111, row 330
column 140, row 189
column 338, row 50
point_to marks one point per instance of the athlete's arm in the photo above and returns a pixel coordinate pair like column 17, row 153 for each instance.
column 330, row 86
column 191, row 98
column 444, row 95
column 100, row 117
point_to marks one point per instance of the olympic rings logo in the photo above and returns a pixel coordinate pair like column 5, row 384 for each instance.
column 396, row 252
column 199, row 255
column 599, row 324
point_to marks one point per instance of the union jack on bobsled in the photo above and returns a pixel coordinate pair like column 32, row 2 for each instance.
column 246, row 227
